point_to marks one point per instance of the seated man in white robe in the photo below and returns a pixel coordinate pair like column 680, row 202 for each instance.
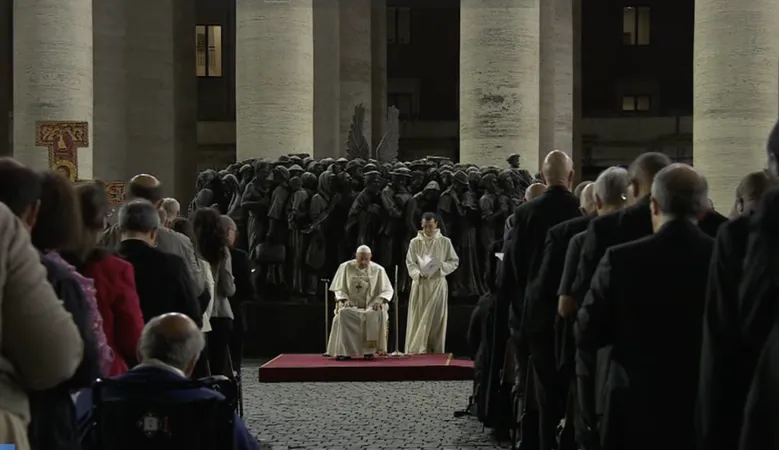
column 362, row 290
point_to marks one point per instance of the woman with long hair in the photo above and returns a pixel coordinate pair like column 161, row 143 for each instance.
column 53, row 423
column 58, row 226
column 114, row 278
column 211, row 244
column 184, row 226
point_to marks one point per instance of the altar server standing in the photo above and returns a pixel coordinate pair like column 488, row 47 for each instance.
column 430, row 258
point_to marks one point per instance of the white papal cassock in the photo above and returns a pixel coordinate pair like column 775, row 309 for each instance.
column 427, row 304
column 360, row 330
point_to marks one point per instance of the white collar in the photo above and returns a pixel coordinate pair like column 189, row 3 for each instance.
column 156, row 363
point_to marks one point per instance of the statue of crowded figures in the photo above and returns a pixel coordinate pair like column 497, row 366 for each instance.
column 321, row 256
column 495, row 209
column 303, row 188
column 364, row 218
column 426, row 200
column 457, row 208
column 256, row 203
column 301, row 203
column 204, row 198
column 277, row 267
column 397, row 227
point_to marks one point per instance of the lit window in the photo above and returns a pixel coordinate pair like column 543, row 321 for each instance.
column 208, row 50
column 635, row 25
column 633, row 103
column 398, row 25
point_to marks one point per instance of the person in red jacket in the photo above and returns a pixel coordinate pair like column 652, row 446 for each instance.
column 114, row 279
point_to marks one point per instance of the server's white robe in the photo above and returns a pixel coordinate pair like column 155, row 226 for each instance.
column 360, row 330
column 427, row 306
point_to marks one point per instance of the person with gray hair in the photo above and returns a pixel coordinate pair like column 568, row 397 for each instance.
column 362, row 290
column 172, row 207
column 168, row 351
column 678, row 192
column 631, row 223
column 587, row 199
column 161, row 279
column 147, row 187
column 647, row 302
column 610, row 190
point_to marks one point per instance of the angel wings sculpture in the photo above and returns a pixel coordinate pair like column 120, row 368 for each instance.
column 357, row 145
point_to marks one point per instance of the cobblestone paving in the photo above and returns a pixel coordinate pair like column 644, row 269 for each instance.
column 364, row 416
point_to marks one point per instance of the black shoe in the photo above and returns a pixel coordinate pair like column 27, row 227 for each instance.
column 342, row 358
column 369, row 357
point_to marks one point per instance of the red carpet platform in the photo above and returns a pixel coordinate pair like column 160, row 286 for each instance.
column 296, row 368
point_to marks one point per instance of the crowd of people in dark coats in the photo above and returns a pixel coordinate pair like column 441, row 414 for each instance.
column 629, row 314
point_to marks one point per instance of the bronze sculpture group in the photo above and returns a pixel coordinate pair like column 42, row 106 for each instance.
column 299, row 217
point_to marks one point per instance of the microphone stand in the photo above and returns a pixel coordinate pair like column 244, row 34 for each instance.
column 327, row 314
column 397, row 353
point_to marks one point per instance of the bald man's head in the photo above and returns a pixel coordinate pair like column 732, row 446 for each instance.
column 534, row 191
column 146, row 187
column 678, row 192
column 558, row 169
column 173, row 339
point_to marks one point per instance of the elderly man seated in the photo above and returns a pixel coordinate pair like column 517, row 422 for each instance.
column 168, row 350
column 362, row 290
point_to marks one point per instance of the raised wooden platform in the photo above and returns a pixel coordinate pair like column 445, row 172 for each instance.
column 288, row 327
column 309, row 367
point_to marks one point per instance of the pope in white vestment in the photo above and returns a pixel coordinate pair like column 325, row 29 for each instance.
column 362, row 290
column 430, row 258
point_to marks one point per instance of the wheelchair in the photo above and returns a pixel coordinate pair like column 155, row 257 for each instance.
column 131, row 415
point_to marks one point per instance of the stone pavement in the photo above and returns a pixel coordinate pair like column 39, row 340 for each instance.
column 361, row 416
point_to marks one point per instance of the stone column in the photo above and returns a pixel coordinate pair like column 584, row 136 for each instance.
column 110, row 90
column 563, row 76
column 736, row 87
column 546, row 80
column 499, row 81
column 151, row 96
column 160, row 109
column 6, row 77
column 379, row 70
column 327, row 80
column 274, row 78
column 184, row 99
column 556, row 80
column 52, row 74
column 356, row 63
column 577, row 89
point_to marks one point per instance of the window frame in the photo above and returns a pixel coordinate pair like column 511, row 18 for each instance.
column 632, row 39
column 393, row 12
column 635, row 98
column 208, row 72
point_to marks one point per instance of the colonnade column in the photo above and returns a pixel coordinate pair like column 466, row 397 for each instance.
column 274, row 78
column 327, row 79
column 563, row 48
column 110, row 90
column 736, row 90
column 52, row 43
column 499, row 81
column 356, row 64
column 161, row 93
